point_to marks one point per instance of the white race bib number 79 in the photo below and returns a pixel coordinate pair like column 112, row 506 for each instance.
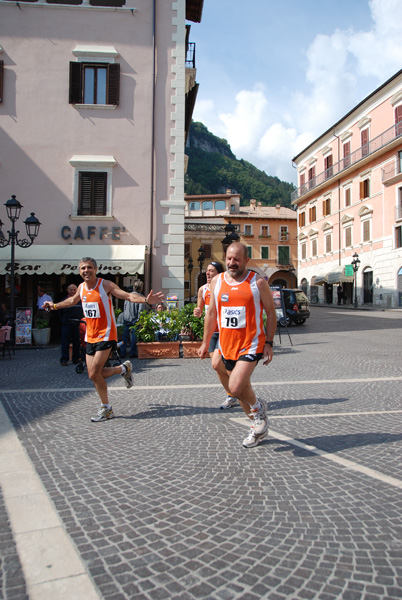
column 91, row 310
column 233, row 317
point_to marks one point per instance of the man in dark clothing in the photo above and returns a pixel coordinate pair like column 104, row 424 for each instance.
column 131, row 314
column 70, row 333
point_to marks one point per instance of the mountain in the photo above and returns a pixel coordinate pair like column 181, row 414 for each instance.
column 213, row 168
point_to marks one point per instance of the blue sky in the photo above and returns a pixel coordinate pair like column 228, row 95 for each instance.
column 274, row 75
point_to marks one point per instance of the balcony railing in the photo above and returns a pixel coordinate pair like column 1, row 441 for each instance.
column 391, row 170
column 372, row 146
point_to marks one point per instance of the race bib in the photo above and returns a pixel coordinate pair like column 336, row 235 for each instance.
column 233, row 317
column 91, row 310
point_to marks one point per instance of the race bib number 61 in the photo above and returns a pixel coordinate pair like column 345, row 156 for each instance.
column 233, row 317
column 91, row 310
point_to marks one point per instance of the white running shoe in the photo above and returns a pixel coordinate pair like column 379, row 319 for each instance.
column 259, row 428
column 228, row 403
column 104, row 414
column 253, row 439
column 259, row 417
column 127, row 375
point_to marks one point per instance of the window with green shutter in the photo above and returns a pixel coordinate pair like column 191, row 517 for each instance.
column 92, row 193
column 283, row 255
column 94, row 83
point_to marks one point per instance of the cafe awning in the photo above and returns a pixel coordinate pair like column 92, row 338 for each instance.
column 339, row 277
column 320, row 279
column 60, row 259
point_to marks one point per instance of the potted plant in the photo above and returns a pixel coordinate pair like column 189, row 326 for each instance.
column 147, row 326
column 41, row 332
column 192, row 331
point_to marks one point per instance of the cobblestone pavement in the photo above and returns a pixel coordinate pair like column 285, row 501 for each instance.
column 164, row 502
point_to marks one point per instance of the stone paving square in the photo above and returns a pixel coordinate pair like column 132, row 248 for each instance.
column 164, row 502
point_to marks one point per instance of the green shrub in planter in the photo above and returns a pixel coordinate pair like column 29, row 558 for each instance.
column 191, row 325
column 150, row 322
column 41, row 324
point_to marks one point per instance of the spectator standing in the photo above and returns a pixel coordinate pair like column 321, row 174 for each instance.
column 70, row 318
column 41, row 313
column 131, row 313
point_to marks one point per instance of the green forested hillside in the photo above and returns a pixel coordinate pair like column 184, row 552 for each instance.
column 213, row 168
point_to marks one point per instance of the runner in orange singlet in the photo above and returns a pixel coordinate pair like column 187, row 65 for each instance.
column 240, row 297
column 101, row 333
column 204, row 298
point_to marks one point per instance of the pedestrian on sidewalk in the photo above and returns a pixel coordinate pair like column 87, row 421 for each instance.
column 203, row 300
column 131, row 313
column 101, row 333
column 238, row 299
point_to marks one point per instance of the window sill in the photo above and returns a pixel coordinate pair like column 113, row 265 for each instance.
column 91, row 217
column 96, row 106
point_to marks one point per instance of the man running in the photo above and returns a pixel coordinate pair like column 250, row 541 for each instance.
column 204, row 298
column 101, row 333
column 238, row 299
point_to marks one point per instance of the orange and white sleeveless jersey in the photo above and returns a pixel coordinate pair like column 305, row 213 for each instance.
column 206, row 296
column 239, row 308
column 98, row 313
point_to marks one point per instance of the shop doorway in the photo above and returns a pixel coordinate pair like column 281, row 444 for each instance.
column 368, row 287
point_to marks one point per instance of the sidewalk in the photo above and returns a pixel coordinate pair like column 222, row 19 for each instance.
column 164, row 502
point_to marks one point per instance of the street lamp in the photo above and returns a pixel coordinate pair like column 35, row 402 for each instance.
column 201, row 257
column 355, row 265
column 230, row 237
column 190, row 267
column 32, row 224
column 292, row 270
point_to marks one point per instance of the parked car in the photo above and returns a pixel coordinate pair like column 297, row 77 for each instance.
column 296, row 306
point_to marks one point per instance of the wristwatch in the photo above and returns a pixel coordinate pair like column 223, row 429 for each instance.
column 270, row 343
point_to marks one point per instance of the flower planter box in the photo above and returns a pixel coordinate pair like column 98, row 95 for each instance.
column 41, row 337
column 158, row 349
column 190, row 349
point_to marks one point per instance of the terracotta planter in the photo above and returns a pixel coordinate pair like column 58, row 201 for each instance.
column 190, row 349
column 158, row 349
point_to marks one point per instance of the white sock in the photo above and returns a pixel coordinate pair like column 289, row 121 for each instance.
column 123, row 369
column 106, row 406
column 256, row 406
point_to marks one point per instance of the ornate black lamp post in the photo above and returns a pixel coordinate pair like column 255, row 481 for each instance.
column 201, row 257
column 32, row 225
column 355, row 265
column 190, row 268
column 230, row 237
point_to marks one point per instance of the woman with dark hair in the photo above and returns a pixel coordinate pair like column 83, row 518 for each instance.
column 204, row 298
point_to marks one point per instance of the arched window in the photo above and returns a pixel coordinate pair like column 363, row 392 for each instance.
column 194, row 206
column 220, row 205
column 207, row 205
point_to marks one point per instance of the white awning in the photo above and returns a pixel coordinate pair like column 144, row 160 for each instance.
column 339, row 277
column 320, row 279
column 61, row 259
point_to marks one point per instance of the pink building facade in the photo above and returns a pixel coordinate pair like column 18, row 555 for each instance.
column 349, row 201
column 93, row 114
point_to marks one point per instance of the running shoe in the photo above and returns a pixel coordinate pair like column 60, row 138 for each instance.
column 103, row 415
column 253, row 439
column 127, row 375
column 259, row 417
column 228, row 403
column 259, row 427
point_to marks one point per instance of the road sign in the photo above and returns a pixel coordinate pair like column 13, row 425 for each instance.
column 349, row 271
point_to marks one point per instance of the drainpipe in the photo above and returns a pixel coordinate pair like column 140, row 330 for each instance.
column 148, row 271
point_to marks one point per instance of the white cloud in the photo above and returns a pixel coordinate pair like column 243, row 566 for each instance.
column 269, row 131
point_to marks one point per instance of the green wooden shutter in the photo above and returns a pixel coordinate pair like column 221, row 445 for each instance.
column 113, row 84
column 92, row 194
column 75, row 95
